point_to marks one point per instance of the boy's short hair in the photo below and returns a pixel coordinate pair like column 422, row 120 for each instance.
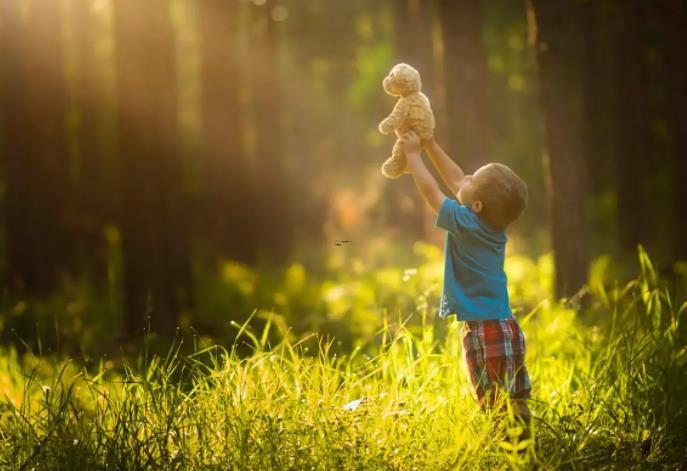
column 503, row 194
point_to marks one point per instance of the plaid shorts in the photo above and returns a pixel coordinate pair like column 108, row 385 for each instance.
column 494, row 351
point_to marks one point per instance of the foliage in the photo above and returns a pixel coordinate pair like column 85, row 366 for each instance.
column 606, row 394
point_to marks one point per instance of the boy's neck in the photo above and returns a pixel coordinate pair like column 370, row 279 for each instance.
column 486, row 224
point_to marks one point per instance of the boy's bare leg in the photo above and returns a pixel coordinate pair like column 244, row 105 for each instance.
column 520, row 410
column 523, row 412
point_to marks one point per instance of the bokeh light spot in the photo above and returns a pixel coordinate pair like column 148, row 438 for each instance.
column 516, row 82
column 280, row 13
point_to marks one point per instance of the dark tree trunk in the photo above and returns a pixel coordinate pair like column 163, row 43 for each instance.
column 35, row 157
column 14, row 148
column 153, row 207
column 558, row 55
column 91, row 208
column 634, row 160
column 273, row 205
column 465, row 78
column 599, row 86
column 229, row 205
column 676, row 14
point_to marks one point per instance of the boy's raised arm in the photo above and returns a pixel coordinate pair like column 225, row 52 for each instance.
column 424, row 181
column 450, row 171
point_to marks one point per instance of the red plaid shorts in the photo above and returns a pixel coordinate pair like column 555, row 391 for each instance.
column 494, row 351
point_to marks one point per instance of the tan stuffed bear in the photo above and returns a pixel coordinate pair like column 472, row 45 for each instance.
column 412, row 112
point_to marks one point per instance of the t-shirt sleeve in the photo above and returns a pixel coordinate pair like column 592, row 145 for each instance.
column 453, row 216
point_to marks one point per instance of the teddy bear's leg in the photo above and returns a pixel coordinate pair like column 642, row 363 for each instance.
column 396, row 165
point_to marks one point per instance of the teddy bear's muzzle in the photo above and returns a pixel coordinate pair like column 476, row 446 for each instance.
column 386, row 84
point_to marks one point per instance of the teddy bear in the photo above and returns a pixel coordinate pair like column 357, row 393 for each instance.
column 411, row 112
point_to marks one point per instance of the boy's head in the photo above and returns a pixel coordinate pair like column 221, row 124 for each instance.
column 495, row 193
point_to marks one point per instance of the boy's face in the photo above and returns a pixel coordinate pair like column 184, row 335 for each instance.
column 465, row 194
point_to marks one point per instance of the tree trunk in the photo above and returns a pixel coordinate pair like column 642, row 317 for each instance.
column 677, row 99
column 14, row 146
column 35, row 160
column 559, row 54
column 273, row 205
column 228, row 204
column 634, row 166
column 599, row 85
column 465, row 76
column 154, row 233
column 91, row 206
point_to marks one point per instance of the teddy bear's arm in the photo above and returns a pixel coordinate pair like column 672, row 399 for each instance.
column 394, row 120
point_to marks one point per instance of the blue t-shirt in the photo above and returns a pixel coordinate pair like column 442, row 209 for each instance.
column 474, row 280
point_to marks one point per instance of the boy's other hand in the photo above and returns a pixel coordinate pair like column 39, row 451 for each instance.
column 411, row 143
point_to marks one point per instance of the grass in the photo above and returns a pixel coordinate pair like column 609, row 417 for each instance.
column 608, row 392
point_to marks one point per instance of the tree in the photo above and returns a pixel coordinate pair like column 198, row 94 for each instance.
column 40, row 248
column 92, row 206
column 599, row 94
column 153, row 206
column 634, row 165
column 558, row 53
column 465, row 79
column 273, row 205
column 227, row 209
column 676, row 66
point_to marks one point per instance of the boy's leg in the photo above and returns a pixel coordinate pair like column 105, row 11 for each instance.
column 521, row 385
column 494, row 353
column 521, row 409
column 524, row 414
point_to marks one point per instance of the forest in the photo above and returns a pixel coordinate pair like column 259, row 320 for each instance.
column 202, row 265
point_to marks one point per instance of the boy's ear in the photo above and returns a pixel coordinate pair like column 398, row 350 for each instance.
column 476, row 206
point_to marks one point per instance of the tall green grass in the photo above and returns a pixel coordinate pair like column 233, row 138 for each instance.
column 609, row 389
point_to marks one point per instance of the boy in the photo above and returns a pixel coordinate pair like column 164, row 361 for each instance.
column 474, row 279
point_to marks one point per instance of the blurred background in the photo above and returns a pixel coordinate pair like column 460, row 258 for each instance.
column 194, row 162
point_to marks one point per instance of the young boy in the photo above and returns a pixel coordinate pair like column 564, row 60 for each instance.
column 474, row 279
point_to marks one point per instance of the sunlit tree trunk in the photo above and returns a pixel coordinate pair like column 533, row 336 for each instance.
column 558, row 52
column 465, row 78
column 153, row 206
column 304, row 115
column 35, row 157
column 228, row 206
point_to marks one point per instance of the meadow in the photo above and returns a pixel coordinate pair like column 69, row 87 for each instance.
column 202, row 265
column 608, row 373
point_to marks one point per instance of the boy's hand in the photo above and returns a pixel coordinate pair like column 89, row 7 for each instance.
column 411, row 143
